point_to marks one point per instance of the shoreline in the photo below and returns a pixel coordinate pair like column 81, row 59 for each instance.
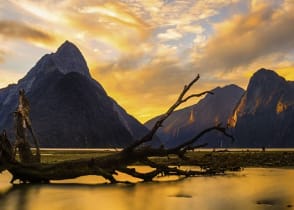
column 224, row 159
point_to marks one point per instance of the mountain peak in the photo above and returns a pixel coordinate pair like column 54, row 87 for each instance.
column 69, row 108
column 264, row 115
column 266, row 74
column 265, row 77
column 69, row 58
column 67, row 46
column 229, row 89
column 233, row 86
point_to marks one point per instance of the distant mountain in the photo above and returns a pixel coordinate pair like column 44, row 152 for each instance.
column 186, row 123
column 264, row 116
column 68, row 107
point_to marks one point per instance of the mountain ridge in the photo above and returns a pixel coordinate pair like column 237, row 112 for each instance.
column 187, row 122
column 69, row 108
column 264, row 115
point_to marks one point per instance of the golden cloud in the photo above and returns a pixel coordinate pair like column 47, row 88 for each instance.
column 115, row 12
column 150, row 89
column 12, row 29
column 122, row 41
column 244, row 39
column 42, row 10
column 2, row 55
column 104, row 22
column 111, row 23
column 170, row 34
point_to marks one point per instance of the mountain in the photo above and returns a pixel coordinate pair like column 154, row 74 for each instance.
column 264, row 117
column 212, row 109
column 68, row 107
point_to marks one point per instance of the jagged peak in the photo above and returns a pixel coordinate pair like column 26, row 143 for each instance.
column 69, row 58
column 228, row 87
column 265, row 76
column 266, row 72
column 66, row 47
column 233, row 86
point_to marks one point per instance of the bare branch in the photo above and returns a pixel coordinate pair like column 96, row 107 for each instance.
column 197, row 137
column 159, row 122
column 196, row 95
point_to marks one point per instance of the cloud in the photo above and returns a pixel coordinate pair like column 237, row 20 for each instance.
column 151, row 87
column 17, row 30
column 141, row 50
column 103, row 23
column 114, row 11
column 172, row 13
column 244, row 39
column 170, row 34
column 6, row 76
column 111, row 23
column 2, row 55
column 39, row 10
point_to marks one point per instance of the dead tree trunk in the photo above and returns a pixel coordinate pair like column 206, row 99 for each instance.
column 108, row 166
column 22, row 124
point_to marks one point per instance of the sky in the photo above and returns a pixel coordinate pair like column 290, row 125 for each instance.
column 144, row 52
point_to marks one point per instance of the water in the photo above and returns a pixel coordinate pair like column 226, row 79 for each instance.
column 251, row 189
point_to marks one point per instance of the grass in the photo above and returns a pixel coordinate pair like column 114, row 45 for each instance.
column 224, row 159
column 53, row 156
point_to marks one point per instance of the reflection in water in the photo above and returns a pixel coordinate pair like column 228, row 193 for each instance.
column 254, row 189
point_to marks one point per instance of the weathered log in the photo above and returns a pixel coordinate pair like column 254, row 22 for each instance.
column 108, row 166
column 22, row 124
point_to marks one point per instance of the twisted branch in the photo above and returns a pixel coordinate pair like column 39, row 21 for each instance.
column 148, row 137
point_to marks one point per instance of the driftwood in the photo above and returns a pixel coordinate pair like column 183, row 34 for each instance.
column 108, row 166
column 22, row 124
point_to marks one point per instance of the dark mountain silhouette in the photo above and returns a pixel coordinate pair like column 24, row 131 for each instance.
column 264, row 116
column 186, row 123
column 68, row 107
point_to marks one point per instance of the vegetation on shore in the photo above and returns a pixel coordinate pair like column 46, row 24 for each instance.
column 225, row 159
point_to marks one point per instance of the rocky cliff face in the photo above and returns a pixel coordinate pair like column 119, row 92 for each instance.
column 69, row 108
column 264, row 116
column 186, row 123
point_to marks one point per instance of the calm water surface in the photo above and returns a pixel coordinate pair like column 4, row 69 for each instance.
column 251, row 189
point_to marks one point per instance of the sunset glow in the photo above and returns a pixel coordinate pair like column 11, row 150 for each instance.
column 143, row 52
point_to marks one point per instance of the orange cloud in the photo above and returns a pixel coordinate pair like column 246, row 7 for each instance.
column 115, row 12
column 111, row 23
column 149, row 89
column 12, row 29
column 2, row 55
column 244, row 39
column 102, row 22
column 122, row 42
